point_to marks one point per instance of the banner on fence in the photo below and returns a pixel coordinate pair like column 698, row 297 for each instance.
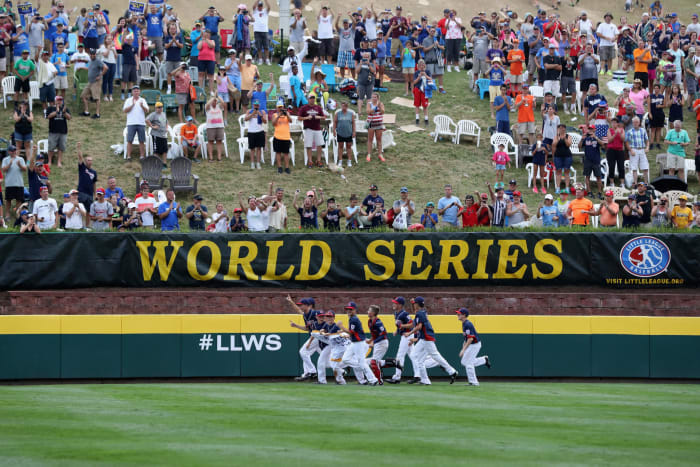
column 388, row 259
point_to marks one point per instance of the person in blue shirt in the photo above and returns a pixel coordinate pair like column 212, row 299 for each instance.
column 423, row 337
column 154, row 28
column 496, row 75
column 403, row 323
column 501, row 106
column 429, row 219
column 471, row 347
column 21, row 42
column 169, row 213
column 548, row 212
column 591, row 160
column 448, row 207
column 195, row 36
column 354, row 355
column 90, row 32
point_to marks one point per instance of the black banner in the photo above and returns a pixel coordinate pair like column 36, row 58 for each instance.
column 66, row 260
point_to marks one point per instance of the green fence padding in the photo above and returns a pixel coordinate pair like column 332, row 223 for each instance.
column 91, row 356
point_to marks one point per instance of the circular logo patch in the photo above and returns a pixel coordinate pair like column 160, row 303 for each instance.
column 645, row 256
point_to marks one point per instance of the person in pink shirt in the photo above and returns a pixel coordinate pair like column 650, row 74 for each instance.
column 501, row 159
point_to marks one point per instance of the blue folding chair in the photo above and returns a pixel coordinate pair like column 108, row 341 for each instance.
column 306, row 70
column 483, row 85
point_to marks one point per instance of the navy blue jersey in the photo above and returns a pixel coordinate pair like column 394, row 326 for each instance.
column 376, row 328
column 332, row 328
column 402, row 317
column 426, row 332
column 469, row 331
column 355, row 328
column 310, row 319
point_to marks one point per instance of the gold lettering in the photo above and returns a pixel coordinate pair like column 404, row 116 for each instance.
column 164, row 266
column 213, row 266
column 484, row 247
column 456, row 261
column 411, row 258
column 270, row 273
column 546, row 257
column 506, row 258
column 306, row 247
column 236, row 260
column 381, row 260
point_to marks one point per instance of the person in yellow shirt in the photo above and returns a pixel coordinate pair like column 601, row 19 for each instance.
column 580, row 209
column 682, row 215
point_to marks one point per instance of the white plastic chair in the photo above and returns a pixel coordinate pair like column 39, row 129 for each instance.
column 604, row 171
column 575, row 147
column 445, row 126
column 272, row 152
column 468, row 128
column 242, row 148
column 325, row 152
column 33, row 93
column 689, row 167
column 42, row 146
column 136, row 142
column 194, row 74
column 530, row 168
column 162, row 76
column 510, row 147
column 243, row 125
column 8, row 89
column 148, row 72
column 284, row 85
column 673, row 196
column 203, row 141
column 537, row 92
column 594, row 219
column 619, row 193
column 336, row 148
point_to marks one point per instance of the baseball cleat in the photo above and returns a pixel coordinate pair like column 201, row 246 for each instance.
column 472, row 384
column 488, row 362
column 302, row 378
column 424, row 384
column 453, row 377
column 414, row 381
column 364, row 383
column 313, row 375
column 393, row 381
column 373, row 383
column 319, row 382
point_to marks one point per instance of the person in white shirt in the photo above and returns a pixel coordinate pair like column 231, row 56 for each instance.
column 278, row 217
column 45, row 210
column 75, row 212
column 585, row 25
column 371, row 23
column 257, row 212
column 135, row 108
column 260, row 16
column 325, row 34
column 607, row 32
column 694, row 26
column 45, row 74
column 294, row 58
column 80, row 59
column 297, row 25
column 146, row 205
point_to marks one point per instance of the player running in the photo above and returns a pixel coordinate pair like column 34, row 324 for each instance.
column 354, row 355
column 471, row 347
column 425, row 343
column 304, row 306
column 338, row 342
column 378, row 344
column 403, row 324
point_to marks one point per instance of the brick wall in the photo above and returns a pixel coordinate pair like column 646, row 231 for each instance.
column 497, row 300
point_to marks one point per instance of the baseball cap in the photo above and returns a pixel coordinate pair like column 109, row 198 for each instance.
column 446, row 10
column 404, row 189
column 517, row 193
column 694, row 15
column 24, row 212
column 159, row 104
column 631, row 196
column 525, row 86
column 345, row 20
column 256, row 102
column 311, row 301
column 398, row 300
column 136, row 86
column 351, row 306
column 513, row 181
column 198, row 197
column 131, row 205
column 25, row 52
column 66, row 195
column 484, row 196
column 92, row 51
column 462, row 311
column 144, row 183
column 238, row 210
column 647, row 14
column 552, row 46
column 303, row 301
column 673, row 15
column 430, row 204
column 100, row 191
column 74, row 192
column 44, row 52
column 549, row 196
column 329, row 313
column 189, row 118
column 43, row 188
column 565, row 191
column 683, row 197
column 248, row 57
column 398, row 7
column 373, row 186
column 419, row 300
column 310, row 193
column 609, row 193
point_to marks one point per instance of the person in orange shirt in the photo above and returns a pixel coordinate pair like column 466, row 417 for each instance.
column 525, row 103
column 642, row 59
column 516, row 58
column 188, row 138
column 608, row 211
column 580, row 209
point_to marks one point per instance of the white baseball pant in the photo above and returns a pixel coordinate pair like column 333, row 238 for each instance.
column 423, row 350
column 305, row 352
column 470, row 361
column 406, row 350
column 354, row 356
column 379, row 349
column 337, row 353
column 324, row 361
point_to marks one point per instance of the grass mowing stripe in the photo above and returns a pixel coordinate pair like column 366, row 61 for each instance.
column 269, row 424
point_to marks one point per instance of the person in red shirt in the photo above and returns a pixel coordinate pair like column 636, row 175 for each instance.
column 469, row 212
column 696, row 108
column 483, row 213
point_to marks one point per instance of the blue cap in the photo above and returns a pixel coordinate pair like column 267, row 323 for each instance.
column 419, row 300
column 399, row 300
column 673, row 15
column 329, row 313
column 404, row 189
column 351, row 306
column 311, row 301
column 303, row 301
column 24, row 212
column 189, row 118
column 11, row 148
column 462, row 311
column 694, row 15
column 66, row 195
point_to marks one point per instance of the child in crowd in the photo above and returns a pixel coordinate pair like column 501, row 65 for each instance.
column 220, row 218
column 501, row 159
column 408, row 63
column 562, row 205
column 238, row 223
column 539, row 153
column 131, row 220
column 222, row 90
column 429, row 219
column 331, row 216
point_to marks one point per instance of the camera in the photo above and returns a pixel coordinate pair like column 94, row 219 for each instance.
column 663, row 202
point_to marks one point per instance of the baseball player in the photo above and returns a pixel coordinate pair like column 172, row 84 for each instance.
column 304, row 306
column 425, row 343
column 378, row 344
column 338, row 343
column 324, row 349
column 471, row 347
column 354, row 355
column 403, row 324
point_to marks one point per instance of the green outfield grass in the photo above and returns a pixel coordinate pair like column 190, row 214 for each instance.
column 303, row 424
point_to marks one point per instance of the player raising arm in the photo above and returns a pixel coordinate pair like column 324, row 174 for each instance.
column 471, row 347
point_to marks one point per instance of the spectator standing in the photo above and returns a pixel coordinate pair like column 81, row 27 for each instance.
column 568, row 82
column 282, row 139
column 453, row 40
column 404, row 202
column 421, row 81
column 240, row 39
column 366, row 66
column 677, row 140
column 45, row 76
column 146, row 205
column 448, row 207
column 158, row 123
column 525, row 105
column 37, row 175
column 45, row 210
column 344, row 132
column 637, row 142
column 580, row 208
column 206, row 61
column 257, row 123
column 539, row 152
column 398, row 27
column 169, row 212
column 312, row 114
column 434, row 57
column 375, row 120
column 197, row 213
column 249, row 73
column 642, row 59
column 108, row 54
column 80, row 59
column 154, row 28
column 101, row 212
column 278, row 217
column 24, row 70
column 173, row 44
column 563, row 158
column 552, row 65
column 261, row 14
column 135, row 108
column 516, row 59
column 346, row 46
column 501, row 106
column 608, row 210
column 87, row 177
column 12, row 167
column 23, row 127
column 607, row 33
column 591, row 160
column 96, row 70
column 233, row 73
column 588, row 72
column 182, row 91
column 325, row 34
column 75, row 212
column 500, row 159
column 195, row 37
column 130, row 63
column 297, row 25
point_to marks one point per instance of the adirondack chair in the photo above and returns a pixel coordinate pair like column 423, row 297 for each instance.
column 152, row 172
column 151, row 96
column 182, row 178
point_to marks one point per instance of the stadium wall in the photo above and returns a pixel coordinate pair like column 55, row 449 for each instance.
column 255, row 345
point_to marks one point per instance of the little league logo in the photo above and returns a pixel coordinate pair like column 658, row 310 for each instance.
column 645, row 256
